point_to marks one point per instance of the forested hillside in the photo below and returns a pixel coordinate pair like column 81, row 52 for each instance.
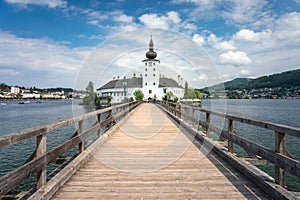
column 282, row 85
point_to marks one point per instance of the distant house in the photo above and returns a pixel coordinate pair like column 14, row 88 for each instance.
column 31, row 96
column 151, row 82
column 15, row 90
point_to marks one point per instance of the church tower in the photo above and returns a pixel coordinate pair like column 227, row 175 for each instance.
column 150, row 73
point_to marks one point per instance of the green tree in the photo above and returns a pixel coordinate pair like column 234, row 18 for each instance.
column 138, row 94
column 90, row 98
column 19, row 96
column 186, row 88
column 169, row 96
column 192, row 94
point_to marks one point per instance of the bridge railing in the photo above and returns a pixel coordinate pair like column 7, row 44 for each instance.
column 40, row 158
column 280, row 157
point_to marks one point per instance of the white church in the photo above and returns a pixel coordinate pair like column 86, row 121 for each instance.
column 151, row 82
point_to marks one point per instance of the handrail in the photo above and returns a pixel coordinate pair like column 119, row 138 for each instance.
column 39, row 163
column 280, row 157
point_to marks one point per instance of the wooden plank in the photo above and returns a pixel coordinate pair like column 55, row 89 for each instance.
column 257, row 176
column 293, row 131
column 280, row 148
column 41, row 146
column 12, row 179
column 231, row 131
column 279, row 160
column 79, row 131
column 191, row 175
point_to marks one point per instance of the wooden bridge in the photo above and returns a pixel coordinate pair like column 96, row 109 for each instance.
column 153, row 151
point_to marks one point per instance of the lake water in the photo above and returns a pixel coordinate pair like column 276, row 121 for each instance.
column 16, row 117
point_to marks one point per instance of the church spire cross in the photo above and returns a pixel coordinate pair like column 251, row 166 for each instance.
column 151, row 44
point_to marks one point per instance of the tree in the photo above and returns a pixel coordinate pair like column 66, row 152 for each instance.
column 169, row 97
column 90, row 98
column 138, row 94
column 192, row 94
column 186, row 88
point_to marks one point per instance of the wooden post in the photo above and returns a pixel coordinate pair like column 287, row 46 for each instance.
column 280, row 148
column 231, row 131
column 99, row 122
column 110, row 116
column 79, row 131
column 41, row 147
column 207, row 124
column 195, row 117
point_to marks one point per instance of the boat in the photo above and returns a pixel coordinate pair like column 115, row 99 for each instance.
column 24, row 102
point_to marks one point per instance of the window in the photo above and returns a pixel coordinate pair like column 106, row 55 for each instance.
column 150, row 63
column 153, row 63
column 145, row 64
column 145, row 69
column 145, row 83
column 145, row 75
column 153, row 69
column 150, row 91
column 153, row 83
column 153, row 74
column 165, row 90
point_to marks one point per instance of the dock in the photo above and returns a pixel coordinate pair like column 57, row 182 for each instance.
column 154, row 151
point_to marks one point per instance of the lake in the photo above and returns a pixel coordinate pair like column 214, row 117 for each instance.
column 16, row 117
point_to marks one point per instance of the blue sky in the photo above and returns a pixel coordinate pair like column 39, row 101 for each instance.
column 45, row 43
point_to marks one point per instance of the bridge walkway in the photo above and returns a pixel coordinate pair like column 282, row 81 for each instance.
column 150, row 157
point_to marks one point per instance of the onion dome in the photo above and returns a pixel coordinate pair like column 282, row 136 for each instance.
column 151, row 54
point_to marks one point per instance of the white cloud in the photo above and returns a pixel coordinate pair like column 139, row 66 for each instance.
column 288, row 26
column 49, row 3
column 123, row 18
column 93, row 14
column 198, row 39
column 225, row 45
column 171, row 21
column 235, row 58
column 247, row 12
column 38, row 54
column 174, row 16
column 9, row 72
column 212, row 38
column 251, row 36
column 154, row 21
column 244, row 72
column 203, row 77
column 251, row 13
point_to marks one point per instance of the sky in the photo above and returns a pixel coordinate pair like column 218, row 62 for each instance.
column 60, row 43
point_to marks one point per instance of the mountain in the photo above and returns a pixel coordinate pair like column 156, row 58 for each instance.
column 236, row 82
column 276, row 85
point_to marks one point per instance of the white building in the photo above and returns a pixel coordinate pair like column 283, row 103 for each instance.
column 15, row 90
column 151, row 82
